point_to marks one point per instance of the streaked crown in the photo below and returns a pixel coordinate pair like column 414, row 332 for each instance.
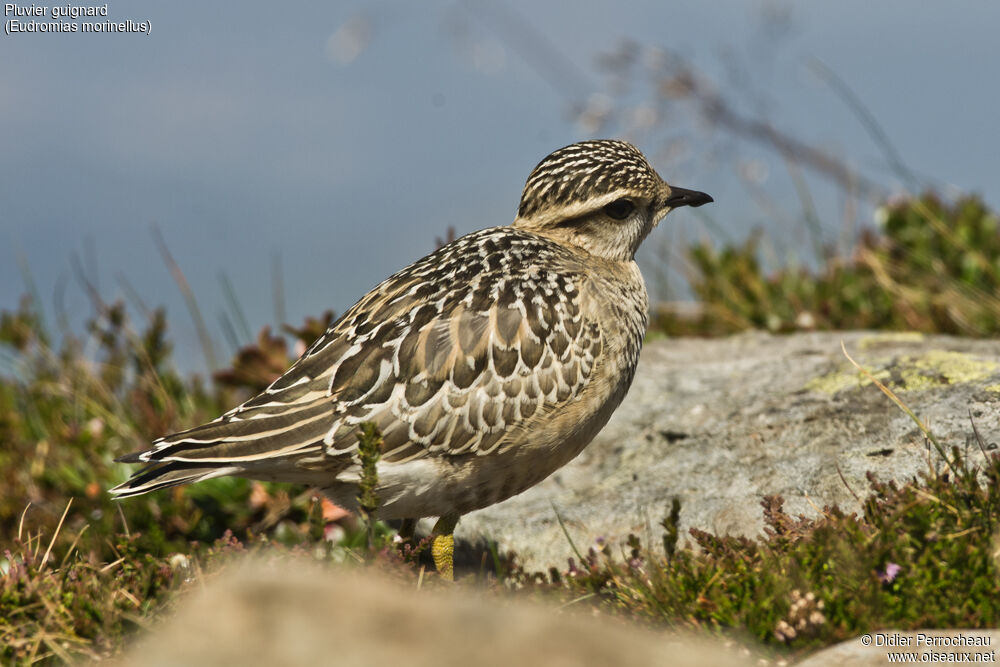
column 589, row 171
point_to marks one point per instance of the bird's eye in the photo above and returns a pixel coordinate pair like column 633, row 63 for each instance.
column 619, row 209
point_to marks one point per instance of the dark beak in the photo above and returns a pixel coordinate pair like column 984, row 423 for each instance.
column 682, row 197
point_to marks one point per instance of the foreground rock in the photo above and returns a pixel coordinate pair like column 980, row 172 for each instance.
column 721, row 423
column 294, row 613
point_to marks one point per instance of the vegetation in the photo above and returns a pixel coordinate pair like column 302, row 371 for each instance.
column 79, row 573
column 921, row 555
column 932, row 267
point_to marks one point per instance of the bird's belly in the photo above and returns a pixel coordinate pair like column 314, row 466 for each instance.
column 438, row 485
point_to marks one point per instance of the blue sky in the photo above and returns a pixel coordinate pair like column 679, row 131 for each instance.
column 344, row 137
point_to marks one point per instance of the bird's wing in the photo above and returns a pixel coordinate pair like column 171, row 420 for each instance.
column 463, row 374
column 444, row 357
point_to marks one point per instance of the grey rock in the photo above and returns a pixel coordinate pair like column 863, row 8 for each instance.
column 721, row 423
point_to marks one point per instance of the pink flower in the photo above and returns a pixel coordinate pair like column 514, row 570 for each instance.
column 891, row 571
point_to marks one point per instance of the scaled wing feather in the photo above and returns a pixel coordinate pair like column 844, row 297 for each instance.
column 445, row 357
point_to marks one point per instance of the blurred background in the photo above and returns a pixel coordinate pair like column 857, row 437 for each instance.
column 289, row 160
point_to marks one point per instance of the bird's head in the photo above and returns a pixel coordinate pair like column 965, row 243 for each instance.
column 602, row 196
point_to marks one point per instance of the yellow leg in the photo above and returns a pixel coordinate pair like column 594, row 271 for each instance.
column 443, row 550
column 443, row 546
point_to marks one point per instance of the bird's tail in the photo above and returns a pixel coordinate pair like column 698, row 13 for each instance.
column 162, row 474
column 262, row 439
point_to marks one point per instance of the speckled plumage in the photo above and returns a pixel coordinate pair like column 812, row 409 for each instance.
column 583, row 172
column 486, row 365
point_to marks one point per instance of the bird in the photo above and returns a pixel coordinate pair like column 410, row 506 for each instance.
column 485, row 366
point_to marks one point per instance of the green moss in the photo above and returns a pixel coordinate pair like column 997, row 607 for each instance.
column 936, row 367
column 929, row 369
column 847, row 378
column 890, row 338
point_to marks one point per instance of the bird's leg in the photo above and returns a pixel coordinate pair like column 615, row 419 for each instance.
column 443, row 546
column 406, row 529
